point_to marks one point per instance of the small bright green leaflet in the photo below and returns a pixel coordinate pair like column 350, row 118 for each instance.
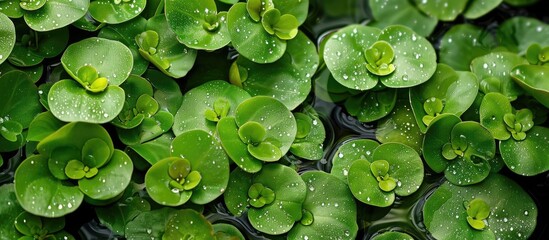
column 527, row 157
column 237, row 150
column 9, row 209
column 200, row 100
column 159, row 45
column 7, row 37
column 333, row 219
column 197, row 23
column 456, row 91
column 310, row 143
column 389, row 235
column 478, row 8
column 400, row 126
column 151, row 224
column 117, row 11
column 150, row 128
column 463, row 43
column 299, row 9
column 350, row 151
column 518, row 33
column 224, row 231
column 400, row 12
column 250, row 39
column 131, row 116
column 56, row 14
column 370, row 106
column 531, row 79
column 111, row 180
column 125, row 33
column 460, row 149
column 112, row 59
column 404, row 169
column 445, row 10
column 512, row 212
column 69, row 102
column 290, row 192
column 20, row 96
column 158, row 181
column 188, row 224
column 56, row 200
column 493, row 69
column 288, row 79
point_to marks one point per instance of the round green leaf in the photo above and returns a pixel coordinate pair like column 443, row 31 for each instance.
column 237, row 150
column 171, row 57
column 7, row 36
column 299, row 9
column 154, row 150
column 290, row 192
column 513, row 213
column 236, row 196
column 134, row 88
column 371, row 105
column 492, row 110
column 332, row 206
column 250, row 39
column 197, row 23
column 95, row 153
column 56, row 14
column 150, row 128
column 531, row 79
column 206, row 157
column 399, row 13
column 349, row 152
column 125, row 33
column 445, row 10
column 273, row 115
column 437, row 136
column 498, row 65
column 11, row 8
column 518, row 33
column 188, row 223
column 158, row 180
column 60, row 157
column 70, row 102
column 527, row 157
column 405, row 166
column 111, row 59
column 202, row 98
column 111, row 180
column 463, row 43
column 343, row 55
column 415, row 58
column 310, row 146
column 20, row 96
column 400, row 126
column 114, row 12
column 151, row 224
column 289, row 78
column 40, row 193
column 364, row 185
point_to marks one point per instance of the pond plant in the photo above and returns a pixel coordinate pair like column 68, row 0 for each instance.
column 274, row 119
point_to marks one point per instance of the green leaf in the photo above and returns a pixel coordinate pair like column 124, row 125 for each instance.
column 7, row 35
column 478, row 209
column 437, row 141
column 405, row 167
column 236, row 195
column 527, row 157
column 28, row 224
column 20, row 96
column 56, row 200
column 206, row 157
column 70, row 102
column 370, row 106
column 227, row 130
column 499, row 65
column 111, row 180
column 95, row 153
column 288, row 79
column 197, row 24
column 49, row 16
column 114, row 12
column 336, row 218
column 445, row 10
column 478, row 8
column 400, row 126
column 265, row 151
column 146, row 105
column 379, row 168
column 386, row 16
column 530, row 78
column 154, row 150
column 11, row 8
column 463, row 43
column 149, row 224
column 112, row 59
column 250, row 39
column 179, row 169
column 170, row 56
column 10, row 130
column 389, row 235
column 349, row 152
column 188, row 224
column 202, row 98
column 117, row 215
column 513, row 211
column 167, row 92
column 158, row 180
column 125, row 33
column 75, row 170
column 493, row 109
column 518, row 33
column 9, row 209
column 224, row 231
column 364, row 185
column 252, row 133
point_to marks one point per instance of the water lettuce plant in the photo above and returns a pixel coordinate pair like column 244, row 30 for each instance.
column 273, row 119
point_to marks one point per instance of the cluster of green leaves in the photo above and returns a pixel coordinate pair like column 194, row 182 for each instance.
column 152, row 100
